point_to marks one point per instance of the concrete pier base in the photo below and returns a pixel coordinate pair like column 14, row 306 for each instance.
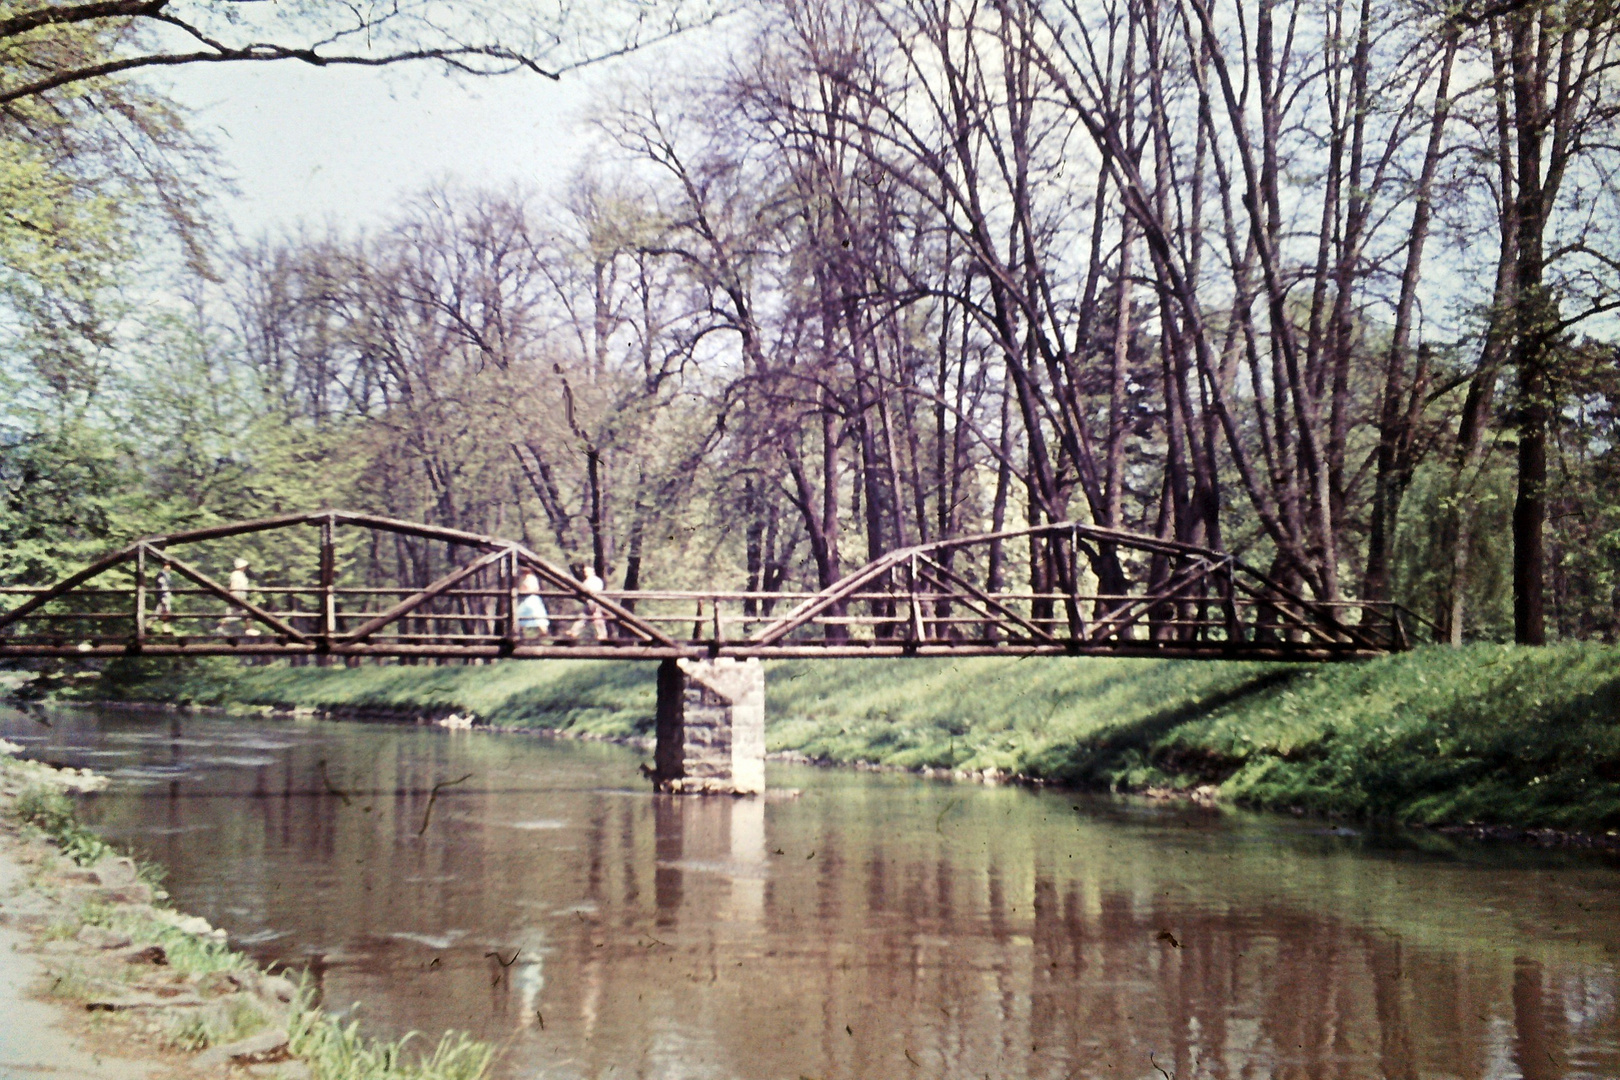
column 711, row 727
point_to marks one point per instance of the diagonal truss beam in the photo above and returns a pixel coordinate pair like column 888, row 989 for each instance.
column 946, row 595
column 66, row 585
column 1318, row 619
column 928, row 579
column 986, row 599
column 1136, row 608
column 565, row 581
column 833, row 594
column 1317, row 611
column 416, row 600
column 1336, row 634
column 224, row 594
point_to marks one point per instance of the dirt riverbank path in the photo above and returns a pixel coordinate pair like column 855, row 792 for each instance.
column 41, row 1038
column 56, row 1039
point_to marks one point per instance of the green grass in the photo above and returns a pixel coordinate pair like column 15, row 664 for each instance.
column 336, row 1051
column 185, row 953
column 51, row 812
column 215, row 1027
column 1063, row 720
column 1488, row 734
column 72, row 984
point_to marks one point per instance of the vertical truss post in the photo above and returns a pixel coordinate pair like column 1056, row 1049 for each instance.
column 140, row 597
column 1200, row 607
column 328, row 582
column 719, row 635
column 1070, row 561
column 1229, row 612
column 509, row 568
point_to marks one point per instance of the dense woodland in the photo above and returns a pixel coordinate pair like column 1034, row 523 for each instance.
column 1325, row 283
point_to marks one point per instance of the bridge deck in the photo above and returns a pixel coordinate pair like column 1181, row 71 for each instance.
column 162, row 596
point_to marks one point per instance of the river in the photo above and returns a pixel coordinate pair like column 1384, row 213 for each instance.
column 876, row 926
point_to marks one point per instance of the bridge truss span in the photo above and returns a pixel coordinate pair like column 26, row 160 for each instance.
column 333, row 583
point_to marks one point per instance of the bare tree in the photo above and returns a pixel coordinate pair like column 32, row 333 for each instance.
column 68, row 43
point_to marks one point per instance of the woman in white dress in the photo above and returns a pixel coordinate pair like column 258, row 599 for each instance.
column 531, row 611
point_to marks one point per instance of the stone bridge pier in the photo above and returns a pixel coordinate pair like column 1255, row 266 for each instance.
column 711, row 727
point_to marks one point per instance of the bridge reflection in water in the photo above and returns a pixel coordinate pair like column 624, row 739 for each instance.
column 340, row 584
column 875, row 921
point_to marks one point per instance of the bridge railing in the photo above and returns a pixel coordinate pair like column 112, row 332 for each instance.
column 869, row 622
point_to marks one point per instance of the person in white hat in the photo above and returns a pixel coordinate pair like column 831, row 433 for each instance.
column 590, row 610
column 239, row 591
column 239, row 579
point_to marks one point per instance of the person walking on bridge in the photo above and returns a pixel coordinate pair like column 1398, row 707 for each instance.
column 591, row 610
column 531, row 611
column 165, row 599
column 238, row 589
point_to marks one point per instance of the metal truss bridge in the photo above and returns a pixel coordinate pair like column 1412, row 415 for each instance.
column 172, row 596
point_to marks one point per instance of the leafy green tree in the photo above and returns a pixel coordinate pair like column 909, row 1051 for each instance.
column 63, row 492
column 89, row 174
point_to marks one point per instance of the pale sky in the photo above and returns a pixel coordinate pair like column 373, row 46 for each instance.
column 344, row 146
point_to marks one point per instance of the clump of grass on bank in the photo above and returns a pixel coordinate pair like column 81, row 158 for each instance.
column 1065, row 720
column 216, row 1027
column 337, row 1051
column 51, row 812
column 1486, row 734
column 184, row 952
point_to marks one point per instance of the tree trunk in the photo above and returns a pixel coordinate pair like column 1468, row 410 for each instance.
column 1533, row 319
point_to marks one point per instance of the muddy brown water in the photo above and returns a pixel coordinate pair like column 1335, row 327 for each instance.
column 877, row 926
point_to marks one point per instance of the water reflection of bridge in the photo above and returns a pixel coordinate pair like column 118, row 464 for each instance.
column 979, row 930
column 338, row 584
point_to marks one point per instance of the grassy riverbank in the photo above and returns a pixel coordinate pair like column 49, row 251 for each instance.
column 1486, row 734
